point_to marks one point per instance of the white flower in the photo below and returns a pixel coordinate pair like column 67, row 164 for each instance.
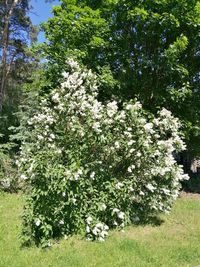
column 61, row 222
column 103, row 234
column 137, row 105
column 96, row 231
column 103, row 207
column 129, row 169
column 52, row 136
column 96, row 127
column 96, row 110
column 165, row 113
column 150, row 187
column 99, row 225
column 131, row 189
column 148, row 127
column 115, row 210
column 55, row 98
column 112, row 108
column 89, row 220
column 130, row 142
column 117, row 145
column 122, row 116
column 65, row 74
column 92, row 175
column 121, row 215
column 73, row 64
column 74, row 200
column 17, row 162
column 87, row 229
column 78, row 174
column 40, row 137
column 166, row 191
column 128, row 134
column 185, row 177
column 49, row 244
column 129, row 107
column 119, row 185
column 23, row 177
column 37, row 222
column 106, row 227
column 6, row 183
column 60, row 107
column 76, row 177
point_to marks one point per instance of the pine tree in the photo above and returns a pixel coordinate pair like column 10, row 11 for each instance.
column 16, row 31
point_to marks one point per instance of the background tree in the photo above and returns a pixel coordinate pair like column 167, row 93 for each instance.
column 20, row 78
column 144, row 49
column 17, row 61
column 15, row 33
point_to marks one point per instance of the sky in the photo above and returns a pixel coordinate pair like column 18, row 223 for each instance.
column 40, row 13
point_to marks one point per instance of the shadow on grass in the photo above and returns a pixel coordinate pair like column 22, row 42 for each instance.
column 151, row 220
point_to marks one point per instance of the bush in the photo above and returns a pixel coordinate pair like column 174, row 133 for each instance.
column 93, row 166
column 8, row 171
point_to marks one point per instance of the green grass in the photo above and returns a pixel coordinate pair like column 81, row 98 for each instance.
column 176, row 242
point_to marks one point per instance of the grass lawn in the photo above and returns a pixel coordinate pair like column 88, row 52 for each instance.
column 176, row 242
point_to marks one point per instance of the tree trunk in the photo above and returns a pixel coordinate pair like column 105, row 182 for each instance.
column 5, row 42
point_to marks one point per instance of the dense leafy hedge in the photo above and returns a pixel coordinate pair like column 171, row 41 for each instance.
column 93, row 166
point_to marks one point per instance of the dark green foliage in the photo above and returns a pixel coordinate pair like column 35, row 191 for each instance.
column 192, row 185
column 8, row 173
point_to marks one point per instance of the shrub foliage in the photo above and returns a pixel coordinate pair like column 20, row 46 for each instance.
column 92, row 166
column 8, row 174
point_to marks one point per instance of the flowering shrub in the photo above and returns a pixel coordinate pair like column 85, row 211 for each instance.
column 93, row 166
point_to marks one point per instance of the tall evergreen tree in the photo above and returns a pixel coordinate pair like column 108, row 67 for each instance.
column 17, row 62
column 16, row 32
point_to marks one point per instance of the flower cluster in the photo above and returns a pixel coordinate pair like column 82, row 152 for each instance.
column 95, row 166
column 98, row 231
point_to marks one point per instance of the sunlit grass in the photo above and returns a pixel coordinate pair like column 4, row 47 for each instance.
column 175, row 242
